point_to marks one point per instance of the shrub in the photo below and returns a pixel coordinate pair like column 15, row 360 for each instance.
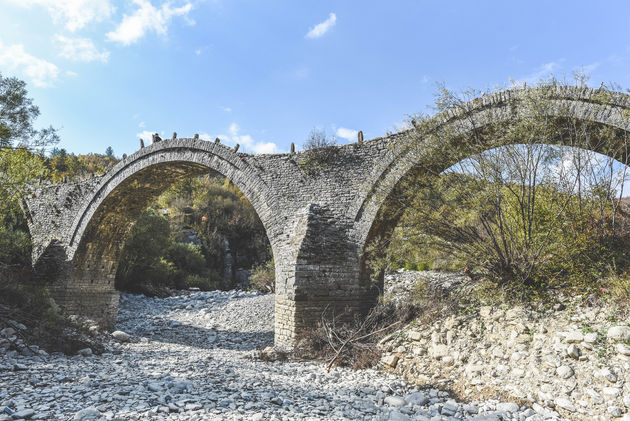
column 410, row 266
column 196, row 281
column 341, row 341
column 619, row 287
column 263, row 277
column 187, row 257
column 319, row 151
column 423, row 266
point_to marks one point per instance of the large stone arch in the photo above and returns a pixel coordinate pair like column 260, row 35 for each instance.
column 408, row 155
column 94, row 239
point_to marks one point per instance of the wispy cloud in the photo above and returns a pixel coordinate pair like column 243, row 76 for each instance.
column 321, row 28
column 145, row 19
column 542, row 72
column 141, row 124
column 73, row 14
column 247, row 142
column 589, row 68
column 348, row 134
column 41, row 72
column 226, row 109
column 80, row 49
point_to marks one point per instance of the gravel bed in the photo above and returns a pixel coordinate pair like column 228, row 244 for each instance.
column 191, row 357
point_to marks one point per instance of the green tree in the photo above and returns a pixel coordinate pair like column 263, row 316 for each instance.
column 140, row 261
column 109, row 152
column 21, row 164
column 17, row 115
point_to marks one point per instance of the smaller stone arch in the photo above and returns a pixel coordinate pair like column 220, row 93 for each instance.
column 94, row 240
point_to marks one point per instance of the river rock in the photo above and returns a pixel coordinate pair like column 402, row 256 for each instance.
column 564, row 371
column 623, row 349
column 391, row 360
column 87, row 414
column 24, row 414
column 85, row 352
column 121, row 336
column 565, row 404
column 619, row 333
column 395, row 401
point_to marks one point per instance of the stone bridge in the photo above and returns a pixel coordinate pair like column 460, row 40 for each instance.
column 319, row 214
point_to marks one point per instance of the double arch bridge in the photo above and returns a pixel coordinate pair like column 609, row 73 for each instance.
column 318, row 220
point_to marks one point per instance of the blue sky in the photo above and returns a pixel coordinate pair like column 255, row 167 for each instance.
column 265, row 73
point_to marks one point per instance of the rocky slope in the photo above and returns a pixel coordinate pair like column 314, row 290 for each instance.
column 572, row 358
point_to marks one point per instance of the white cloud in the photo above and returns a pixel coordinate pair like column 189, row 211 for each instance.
column 226, row 109
column 321, row 28
column 543, row 72
column 146, row 18
column 41, row 72
column 246, row 142
column 347, row 134
column 234, row 129
column 146, row 136
column 73, row 14
column 589, row 68
column 70, row 73
column 198, row 51
column 80, row 49
column 141, row 124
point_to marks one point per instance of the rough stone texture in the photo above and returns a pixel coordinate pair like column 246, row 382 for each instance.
column 317, row 219
column 519, row 352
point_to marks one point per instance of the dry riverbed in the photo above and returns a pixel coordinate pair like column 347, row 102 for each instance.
column 193, row 357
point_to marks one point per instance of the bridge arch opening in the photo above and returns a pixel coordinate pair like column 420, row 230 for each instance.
column 98, row 234
column 598, row 131
column 201, row 233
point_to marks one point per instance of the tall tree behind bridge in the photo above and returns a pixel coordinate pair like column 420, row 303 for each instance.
column 21, row 162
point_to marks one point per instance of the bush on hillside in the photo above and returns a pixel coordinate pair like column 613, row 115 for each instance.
column 263, row 277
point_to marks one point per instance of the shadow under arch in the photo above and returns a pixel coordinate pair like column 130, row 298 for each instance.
column 98, row 233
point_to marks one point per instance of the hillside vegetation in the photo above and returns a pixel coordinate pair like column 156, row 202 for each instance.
column 199, row 233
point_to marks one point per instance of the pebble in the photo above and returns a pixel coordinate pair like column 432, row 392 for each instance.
column 87, row 414
column 564, row 371
column 85, row 352
column 565, row 404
